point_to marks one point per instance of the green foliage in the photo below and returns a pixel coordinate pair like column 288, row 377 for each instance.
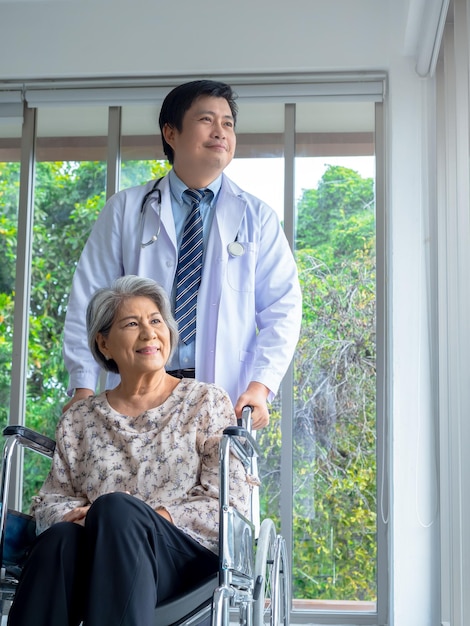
column 9, row 191
column 335, row 420
column 6, row 343
column 337, row 219
column 334, row 463
column 334, row 466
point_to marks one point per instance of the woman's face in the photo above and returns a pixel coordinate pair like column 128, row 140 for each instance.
column 139, row 339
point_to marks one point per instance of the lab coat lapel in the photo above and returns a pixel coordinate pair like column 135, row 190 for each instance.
column 229, row 212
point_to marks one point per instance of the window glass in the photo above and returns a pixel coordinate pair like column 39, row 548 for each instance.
column 334, row 436
column 10, row 139
column 69, row 192
column 333, row 426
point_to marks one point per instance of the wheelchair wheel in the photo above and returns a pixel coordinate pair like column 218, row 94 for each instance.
column 272, row 605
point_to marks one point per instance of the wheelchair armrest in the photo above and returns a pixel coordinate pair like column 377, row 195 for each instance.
column 244, row 446
column 250, row 444
column 30, row 439
column 16, row 530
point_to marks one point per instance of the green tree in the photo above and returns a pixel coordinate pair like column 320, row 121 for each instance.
column 337, row 219
column 334, row 517
column 335, row 431
column 9, row 192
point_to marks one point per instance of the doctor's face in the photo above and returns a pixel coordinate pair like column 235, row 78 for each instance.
column 206, row 143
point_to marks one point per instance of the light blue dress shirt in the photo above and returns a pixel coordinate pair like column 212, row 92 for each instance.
column 184, row 355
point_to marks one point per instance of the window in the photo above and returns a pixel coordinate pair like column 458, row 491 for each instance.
column 10, row 136
column 334, row 425
column 331, row 428
column 308, row 149
column 69, row 191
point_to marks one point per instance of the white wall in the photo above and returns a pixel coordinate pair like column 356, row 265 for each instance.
column 87, row 38
column 415, row 514
column 50, row 39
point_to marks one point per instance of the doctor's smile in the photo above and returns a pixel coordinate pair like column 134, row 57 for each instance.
column 218, row 146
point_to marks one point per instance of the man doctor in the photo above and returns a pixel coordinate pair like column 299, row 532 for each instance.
column 248, row 302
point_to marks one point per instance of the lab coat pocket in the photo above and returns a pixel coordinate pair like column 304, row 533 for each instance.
column 241, row 267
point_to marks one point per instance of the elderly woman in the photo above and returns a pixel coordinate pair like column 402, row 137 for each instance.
column 128, row 515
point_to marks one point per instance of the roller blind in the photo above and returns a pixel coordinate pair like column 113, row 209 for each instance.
column 281, row 88
column 11, row 105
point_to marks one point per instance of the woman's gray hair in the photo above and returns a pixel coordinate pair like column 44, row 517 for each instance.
column 105, row 303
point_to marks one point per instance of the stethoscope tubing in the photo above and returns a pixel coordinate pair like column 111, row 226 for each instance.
column 234, row 248
column 143, row 209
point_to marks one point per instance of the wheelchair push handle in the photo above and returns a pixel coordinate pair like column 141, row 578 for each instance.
column 249, row 446
column 245, row 420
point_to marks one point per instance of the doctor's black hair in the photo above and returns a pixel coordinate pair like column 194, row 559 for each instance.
column 180, row 100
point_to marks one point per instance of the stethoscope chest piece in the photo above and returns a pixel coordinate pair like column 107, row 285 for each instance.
column 235, row 248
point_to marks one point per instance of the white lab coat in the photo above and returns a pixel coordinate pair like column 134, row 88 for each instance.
column 249, row 306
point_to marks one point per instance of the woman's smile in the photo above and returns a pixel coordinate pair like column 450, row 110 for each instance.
column 136, row 328
column 149, row 350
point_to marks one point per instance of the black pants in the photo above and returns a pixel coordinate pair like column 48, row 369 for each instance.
column 112, row 572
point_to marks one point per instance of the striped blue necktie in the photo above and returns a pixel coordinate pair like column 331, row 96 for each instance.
column 189, row 270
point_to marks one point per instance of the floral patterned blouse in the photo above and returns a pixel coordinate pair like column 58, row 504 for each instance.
column 167, row 456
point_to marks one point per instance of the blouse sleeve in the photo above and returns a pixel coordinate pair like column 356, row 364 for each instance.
column 57, row 496
column 198, row 514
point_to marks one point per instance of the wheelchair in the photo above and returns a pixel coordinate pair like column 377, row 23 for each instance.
column 252, row 585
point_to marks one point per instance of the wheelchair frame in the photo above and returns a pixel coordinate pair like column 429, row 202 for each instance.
column 253, row 582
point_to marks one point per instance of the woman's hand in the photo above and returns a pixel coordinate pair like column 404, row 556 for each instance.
column 164, row 513
column 77, row 515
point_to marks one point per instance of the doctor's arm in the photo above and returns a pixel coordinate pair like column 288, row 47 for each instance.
column 79, row 394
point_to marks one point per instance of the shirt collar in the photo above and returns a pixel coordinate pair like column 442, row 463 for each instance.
column 177, row 186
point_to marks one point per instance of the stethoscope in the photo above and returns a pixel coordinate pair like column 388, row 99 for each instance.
column 143, row 209
column 234, row 248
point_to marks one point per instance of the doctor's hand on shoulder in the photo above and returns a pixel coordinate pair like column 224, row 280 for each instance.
column 79, row 394
column 255, row 396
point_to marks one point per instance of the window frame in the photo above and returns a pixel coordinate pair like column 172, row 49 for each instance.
column 289, row 90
